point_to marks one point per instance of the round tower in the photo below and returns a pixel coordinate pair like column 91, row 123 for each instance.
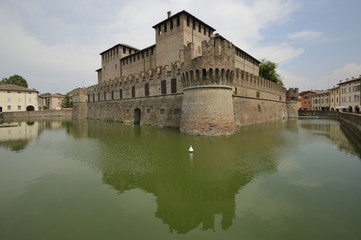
column 207, row 93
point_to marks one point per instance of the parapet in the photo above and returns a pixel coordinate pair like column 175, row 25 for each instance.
column 214, row 67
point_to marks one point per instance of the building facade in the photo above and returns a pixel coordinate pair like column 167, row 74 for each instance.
column 15, row 98
column 334, row 98
column 51, row 101
column 350, row 92
column 192, row 79
column 321, row 101
column 306, row 100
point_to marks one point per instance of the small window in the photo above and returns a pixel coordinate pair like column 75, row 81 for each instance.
column 120, row 93
column 163, row 87
column 133, row 91
column 127, row 111
column 171, row 24
column 178, row 21
column 19, row 107
column 162, row 111
column 9, row 107
column 173, row 85
column 112, row 95
column 165, row 27
column 105, row 96
column 148, row 110
column 146, row 89
column 257, row 94
column 177, row 111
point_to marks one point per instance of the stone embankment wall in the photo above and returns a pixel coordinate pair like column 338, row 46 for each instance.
column 352, row 122
column 64, row 113
column 313, row 113
column 163, row 111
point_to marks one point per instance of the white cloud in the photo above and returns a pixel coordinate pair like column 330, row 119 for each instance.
column 306, row 36
column 323, row 82
column 277, row 53
column 341, row 74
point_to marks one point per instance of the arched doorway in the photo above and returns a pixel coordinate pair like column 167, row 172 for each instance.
column 349, row 109
column 30, row 108
column 137, row 114
column 357, row 109
column 1, row 109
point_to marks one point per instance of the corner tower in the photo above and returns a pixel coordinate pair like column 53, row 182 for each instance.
column 207, row 93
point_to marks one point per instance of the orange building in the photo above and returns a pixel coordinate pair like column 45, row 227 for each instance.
column 306, row 100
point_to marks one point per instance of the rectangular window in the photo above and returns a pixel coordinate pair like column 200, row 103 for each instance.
column 177, row 111
column 105, row 96
column 188, row 21
column 9, row 99
column 162, row 111
column 120, row 93
column 171, row 24
column 98, row 96
column 112, row 95
column 165, row 27
column 178, row 21
column 133, row 91
column 19, row 107
column 173, row 85
column 194, row 24
column 146, row 89
column 9, row 107
column 163, row 87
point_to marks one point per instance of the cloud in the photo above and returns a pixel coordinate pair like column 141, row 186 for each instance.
column 309, row 36
column 324, row 82
column 278, row 53
column 45, row 67
column 341, row 74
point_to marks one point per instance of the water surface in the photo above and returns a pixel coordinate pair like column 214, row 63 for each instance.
column 99, row 180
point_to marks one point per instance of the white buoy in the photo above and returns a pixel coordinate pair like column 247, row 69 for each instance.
column 190, row 149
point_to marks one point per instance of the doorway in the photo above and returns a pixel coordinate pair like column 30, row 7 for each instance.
column 137, row 115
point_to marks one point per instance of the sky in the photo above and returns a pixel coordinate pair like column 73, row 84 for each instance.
column 55, row 45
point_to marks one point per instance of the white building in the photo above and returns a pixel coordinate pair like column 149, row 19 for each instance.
column 15, row 98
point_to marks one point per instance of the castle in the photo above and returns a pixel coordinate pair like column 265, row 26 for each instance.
column 191, row 79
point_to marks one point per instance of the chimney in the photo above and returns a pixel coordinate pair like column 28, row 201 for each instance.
column 169, row 13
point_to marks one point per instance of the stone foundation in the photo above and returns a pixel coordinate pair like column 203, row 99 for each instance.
column 208, row 110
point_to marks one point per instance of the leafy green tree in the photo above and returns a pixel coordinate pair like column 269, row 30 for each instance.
column 67, row 101
column 15, row 79
column 267, row 70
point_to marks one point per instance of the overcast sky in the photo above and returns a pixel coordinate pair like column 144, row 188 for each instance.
column 55, row 45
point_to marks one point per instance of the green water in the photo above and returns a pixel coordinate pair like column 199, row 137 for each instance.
column 296, row 179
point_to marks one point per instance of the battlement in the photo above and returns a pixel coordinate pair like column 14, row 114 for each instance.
column 214, row 67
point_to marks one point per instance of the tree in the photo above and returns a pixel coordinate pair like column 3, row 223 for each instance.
column 15, row 79
column 67, row 101
column 267, row 70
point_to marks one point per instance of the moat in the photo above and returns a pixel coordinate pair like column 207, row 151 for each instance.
column 296, row 179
